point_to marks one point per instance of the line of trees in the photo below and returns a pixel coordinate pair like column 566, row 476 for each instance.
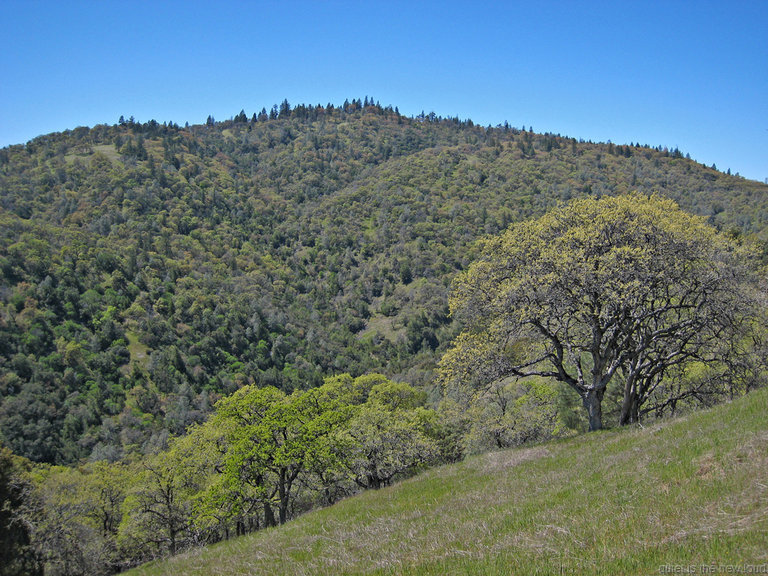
column 263, row 457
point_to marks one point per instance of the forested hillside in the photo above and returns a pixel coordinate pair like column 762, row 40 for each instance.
column 149, row 269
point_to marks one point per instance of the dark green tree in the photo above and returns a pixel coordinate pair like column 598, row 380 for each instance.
column 17, row 556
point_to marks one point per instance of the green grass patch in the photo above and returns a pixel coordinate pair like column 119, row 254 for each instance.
column 108, row 150
column 139, row 352
column 380, row 324
column 686, row 492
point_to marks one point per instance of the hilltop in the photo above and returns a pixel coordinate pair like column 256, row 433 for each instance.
column 151, row 269
column 684, row 492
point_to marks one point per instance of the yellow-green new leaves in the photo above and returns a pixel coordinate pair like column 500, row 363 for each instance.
column 388, row 435
column 74, row 514
column 594, row 287
column 271, row 439
column 273, row 446
column 510, row 413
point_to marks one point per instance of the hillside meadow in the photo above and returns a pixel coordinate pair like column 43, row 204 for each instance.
column 688, row 493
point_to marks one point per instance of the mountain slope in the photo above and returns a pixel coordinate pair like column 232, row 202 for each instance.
column 146, row 270
column 685, row 492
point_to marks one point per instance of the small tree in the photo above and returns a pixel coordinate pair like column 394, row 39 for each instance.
column 389, row 435
column 511, row 413
column 76, row 522
column 272, row 440
column 157, row 511
column 626, row 285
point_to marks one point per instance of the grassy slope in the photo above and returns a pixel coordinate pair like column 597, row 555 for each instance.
column 687, row 492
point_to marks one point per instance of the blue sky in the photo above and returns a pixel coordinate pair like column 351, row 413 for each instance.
column 692, row 75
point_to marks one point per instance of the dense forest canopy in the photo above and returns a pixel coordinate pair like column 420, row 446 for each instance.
column 148, row 269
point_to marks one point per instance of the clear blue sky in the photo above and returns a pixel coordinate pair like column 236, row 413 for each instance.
column 687, row 74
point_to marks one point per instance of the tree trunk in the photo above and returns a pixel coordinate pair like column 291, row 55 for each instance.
column 269, row 516
column 283, row 495
column 373, row 481
column 630, row 409
column 593, row 403
column 172, row 541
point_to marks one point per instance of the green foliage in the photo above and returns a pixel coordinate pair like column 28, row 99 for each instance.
column 387, row 436
column 625, row 286
column 683, row 492
column 271, row 440
column 146, row 270
column 76, row 516
column 511, row 414
column 17, row 554
column 362, row 431
column 263, row 458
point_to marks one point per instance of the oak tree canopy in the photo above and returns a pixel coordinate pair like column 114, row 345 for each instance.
column 622, row 288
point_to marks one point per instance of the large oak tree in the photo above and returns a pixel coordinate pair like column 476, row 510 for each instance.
column 628, row 285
